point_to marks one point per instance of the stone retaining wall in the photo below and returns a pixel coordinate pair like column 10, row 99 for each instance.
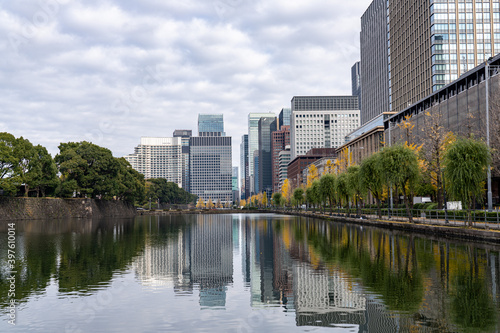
column 51, row 208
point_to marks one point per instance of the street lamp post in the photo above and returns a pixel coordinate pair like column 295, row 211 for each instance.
column 445, row 203
column 487, row 78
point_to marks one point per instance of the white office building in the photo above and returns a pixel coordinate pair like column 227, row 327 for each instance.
column 321, row 122
column 158, row 158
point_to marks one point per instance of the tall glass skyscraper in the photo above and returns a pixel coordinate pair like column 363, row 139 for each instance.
column 210, row 162
column 418, row 47
column 267, row 125
column 208, row 124
column 253, row 145
column 245, row 185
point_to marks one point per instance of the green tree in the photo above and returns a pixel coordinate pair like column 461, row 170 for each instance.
column 298, row 196
column 401, row 168
column 371, row 177
column 344, row 191
column 131, row 184
column 466, row 162
column 355, row 185
column 328, row 188
column 46, row 180
column 9, row 174
column 87, row 170
column 277, row 197
column 317, row 194
column 168, row 192
column 26, row 163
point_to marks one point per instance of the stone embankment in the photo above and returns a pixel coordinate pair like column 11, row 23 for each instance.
column 54, row 208
column 480, row 232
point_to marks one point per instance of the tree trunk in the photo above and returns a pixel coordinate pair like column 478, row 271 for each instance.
column 379, row 209
column 407, row 204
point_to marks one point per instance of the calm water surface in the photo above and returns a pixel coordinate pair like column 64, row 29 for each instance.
column 244, row 273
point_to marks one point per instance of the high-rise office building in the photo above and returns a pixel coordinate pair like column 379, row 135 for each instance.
column 158, row 158
column 267, row 125
column 283, row 160
column 211, row 125
column 356, row 81
column 235, row 187
column 210, row 167
column 284, row 117
column 210, row 162
column 280, row 140
column 428, row 45
column 321, row 122
column 253, row 145
column 244, row 179
column 374, row 64
column 184, row 135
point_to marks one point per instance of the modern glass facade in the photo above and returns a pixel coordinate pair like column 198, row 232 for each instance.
column 158, row 158
column 374, row 62
column 253, row 144
column 410, row 49
column 184, row 135
column 356, row 81
column 267, row 125
column 463, row 35
column 211, row 168
column 244, row 180
column 211, row 123
column 281, row 140
column 284, row 117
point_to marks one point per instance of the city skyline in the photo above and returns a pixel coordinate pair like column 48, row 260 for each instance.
column 112, row 73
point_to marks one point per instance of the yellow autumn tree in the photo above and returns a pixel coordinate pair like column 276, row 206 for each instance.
column 218, row 204
column 200, row 204
column 344, row 160
column 329, row 167
column 286, row 190
column 264, row 199
column 210, row 204
column 312, row 175
column 259, row 199
column 243, row 203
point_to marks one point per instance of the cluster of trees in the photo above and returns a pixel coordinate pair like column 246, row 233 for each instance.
column 168, row 192
column 81, row 169
column 405, row 170
column 201, row 204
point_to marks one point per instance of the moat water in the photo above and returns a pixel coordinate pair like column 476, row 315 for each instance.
column 241, row 273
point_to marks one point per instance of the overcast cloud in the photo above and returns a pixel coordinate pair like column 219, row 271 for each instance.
column 112, row 71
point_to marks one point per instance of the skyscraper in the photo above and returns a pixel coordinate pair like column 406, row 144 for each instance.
column 284, row 117
column 253, row 144
column 356, row 81
column 321, row 122
column 235, row 187
column 211, row 124
column 427, row 46
column 374, row 64
column 158, row 158
column 280, row 140
column 210, row 162
column 184, row 135
column 244, row 181
column 267, row 125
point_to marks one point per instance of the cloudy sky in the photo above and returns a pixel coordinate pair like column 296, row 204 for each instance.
column 112, row 71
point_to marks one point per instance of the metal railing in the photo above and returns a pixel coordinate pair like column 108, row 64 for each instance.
column 480, row 218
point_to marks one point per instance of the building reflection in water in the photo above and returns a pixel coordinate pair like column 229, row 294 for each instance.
column 199, row 255
column 304, row 266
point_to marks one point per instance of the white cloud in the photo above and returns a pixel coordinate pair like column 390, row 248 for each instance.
column 113, row 71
